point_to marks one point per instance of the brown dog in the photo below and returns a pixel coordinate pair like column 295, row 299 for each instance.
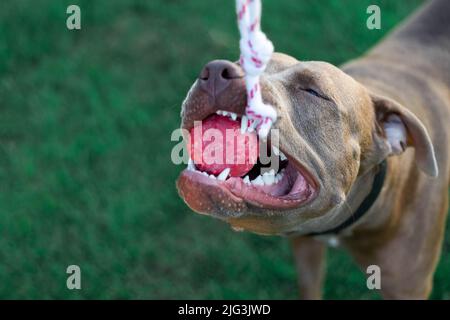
column 344, row 132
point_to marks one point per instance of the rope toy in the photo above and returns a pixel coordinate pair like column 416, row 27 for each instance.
column 256, row 51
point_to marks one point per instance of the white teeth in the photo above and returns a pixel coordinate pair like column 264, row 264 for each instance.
column 278, row 177
column 204, row 173
column 268, row 179
column 263, row 130
column 229, row 114
column 252, row 126
column 244, row 124
column 224, row 174
column 276, row 151
column 191, row 165
column 258, row 181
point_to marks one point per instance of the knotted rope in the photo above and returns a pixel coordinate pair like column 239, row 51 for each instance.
column 256, row 51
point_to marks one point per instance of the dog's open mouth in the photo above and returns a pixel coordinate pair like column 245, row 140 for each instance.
column 284, row 185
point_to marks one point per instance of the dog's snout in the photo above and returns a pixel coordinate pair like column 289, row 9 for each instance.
column 217, row 75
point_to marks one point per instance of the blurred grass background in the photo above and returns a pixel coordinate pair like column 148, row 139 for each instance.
column 85, row 170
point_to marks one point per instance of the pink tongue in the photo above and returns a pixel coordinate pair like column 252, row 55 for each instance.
column 217, row 144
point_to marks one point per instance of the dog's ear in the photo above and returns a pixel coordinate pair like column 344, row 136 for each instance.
column 403, row 129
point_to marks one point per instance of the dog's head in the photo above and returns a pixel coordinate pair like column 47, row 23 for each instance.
column 330, row 128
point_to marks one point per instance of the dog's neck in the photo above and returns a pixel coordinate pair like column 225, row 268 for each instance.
column 354, row 209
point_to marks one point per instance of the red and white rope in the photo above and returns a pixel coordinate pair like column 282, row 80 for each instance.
column 256, row 51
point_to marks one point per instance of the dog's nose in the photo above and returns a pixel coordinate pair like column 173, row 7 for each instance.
column 217, row 75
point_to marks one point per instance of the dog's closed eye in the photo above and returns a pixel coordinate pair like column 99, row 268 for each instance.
column 313, row 92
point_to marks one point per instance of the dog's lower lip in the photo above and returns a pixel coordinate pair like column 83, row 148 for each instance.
column 293, row 198
column 239, row 191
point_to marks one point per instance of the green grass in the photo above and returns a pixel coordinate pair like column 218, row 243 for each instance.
column 85, row 171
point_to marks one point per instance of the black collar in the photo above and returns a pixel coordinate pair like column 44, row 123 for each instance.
column 368, row 201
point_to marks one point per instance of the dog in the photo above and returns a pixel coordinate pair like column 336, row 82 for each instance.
column 370, row 140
